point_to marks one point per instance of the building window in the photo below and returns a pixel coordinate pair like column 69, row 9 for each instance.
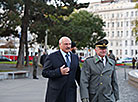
column 112, row 33
column 108, row 24
column 116, row 43
column 136, row 52
column 125, row 52
column 126, row 33
column 126, row 23
column 121, row 24
column 116, row 52
column 121, row 15
column 108, row 34
column 132, row 42
column 131, row 52
column 117, row 15
column 136, row 13
column 132, row 13
column 127, row 14
column 120, row 43
column 126, row 43
column 120, row 52
column 104, row 16
column 111, row 43
column 121, row 33
column 136, row 43
column 112, row 15
column 117, row 24
column 118, row 33
column 112, row 24
column 131, row 33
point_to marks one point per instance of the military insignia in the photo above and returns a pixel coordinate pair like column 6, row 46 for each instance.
column 97, row 59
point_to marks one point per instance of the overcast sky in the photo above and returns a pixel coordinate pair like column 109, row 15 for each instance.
column 85, row 1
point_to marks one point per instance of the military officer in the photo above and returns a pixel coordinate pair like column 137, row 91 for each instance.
column 98, row 82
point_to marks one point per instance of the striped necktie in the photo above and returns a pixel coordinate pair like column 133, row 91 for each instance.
column 67, row 60
column 102, row 61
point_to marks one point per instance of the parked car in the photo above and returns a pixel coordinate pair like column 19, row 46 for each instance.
column 125, row 60
column 2, row 58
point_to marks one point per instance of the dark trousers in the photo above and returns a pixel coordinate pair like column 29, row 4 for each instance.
column 35, row 72
column 133, row 65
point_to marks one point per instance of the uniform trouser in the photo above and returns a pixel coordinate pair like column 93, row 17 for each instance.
column 35, row 72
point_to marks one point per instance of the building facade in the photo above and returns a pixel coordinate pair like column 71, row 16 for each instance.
column 118, row 16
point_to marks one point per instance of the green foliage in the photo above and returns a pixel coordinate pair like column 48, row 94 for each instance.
column 10, row 17
column 135, row 23
column 82, row 27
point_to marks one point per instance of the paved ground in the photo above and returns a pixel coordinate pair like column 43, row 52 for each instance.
column 128, row 93
column 31, row 90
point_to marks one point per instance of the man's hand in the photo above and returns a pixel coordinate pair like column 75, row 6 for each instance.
column 64, row 70
column 85, row 100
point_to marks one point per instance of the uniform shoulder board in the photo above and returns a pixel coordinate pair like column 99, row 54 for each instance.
column 89, row 57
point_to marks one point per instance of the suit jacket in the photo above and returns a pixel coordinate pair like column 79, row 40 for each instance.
column 42, row 59
column 61, row 88
column 99, row 83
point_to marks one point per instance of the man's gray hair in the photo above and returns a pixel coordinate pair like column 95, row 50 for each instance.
column 61, row 39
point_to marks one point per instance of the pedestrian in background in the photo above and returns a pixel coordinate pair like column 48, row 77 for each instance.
column 35, row 65
column 133, row 63
column 111, row 55
column 42, row 59
column 73, row 47
column 62, row 69
column 98, row 82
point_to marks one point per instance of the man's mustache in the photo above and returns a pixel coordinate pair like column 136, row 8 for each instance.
column 68, row 48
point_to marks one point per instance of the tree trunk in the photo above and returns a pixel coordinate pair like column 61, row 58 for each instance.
column 25, row 21
column 27, row 52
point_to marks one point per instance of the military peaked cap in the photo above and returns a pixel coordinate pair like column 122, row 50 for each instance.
column 102, row 44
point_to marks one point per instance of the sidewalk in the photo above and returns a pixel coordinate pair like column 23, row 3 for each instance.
column 32, row 90
column 23, row 90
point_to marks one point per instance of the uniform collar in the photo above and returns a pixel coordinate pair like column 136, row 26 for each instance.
column 97, row 59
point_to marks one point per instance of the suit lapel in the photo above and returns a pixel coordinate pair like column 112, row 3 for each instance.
column 72, row 57
column 60, row 57
column 99, row 66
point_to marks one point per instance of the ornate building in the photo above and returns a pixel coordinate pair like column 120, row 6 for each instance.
column 118, row 16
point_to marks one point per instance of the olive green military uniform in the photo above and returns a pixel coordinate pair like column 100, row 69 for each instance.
column 98, row 83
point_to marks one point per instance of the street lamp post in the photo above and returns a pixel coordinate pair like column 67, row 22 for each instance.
column 46, row 47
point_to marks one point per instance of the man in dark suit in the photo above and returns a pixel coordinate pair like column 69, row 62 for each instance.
column 62, row 68
column 42, row 59
column 73, row 47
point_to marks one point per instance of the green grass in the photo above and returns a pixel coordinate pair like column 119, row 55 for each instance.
column 12, row 62
column 5, row 70
column 128, row 64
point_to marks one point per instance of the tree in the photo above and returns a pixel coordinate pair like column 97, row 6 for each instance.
column 82, row 27
column 51, row 18
column 10, row 17
column 31, row 14
column 135, row 23
column 23, row 40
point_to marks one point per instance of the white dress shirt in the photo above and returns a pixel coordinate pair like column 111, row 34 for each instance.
column 64, row 55
column 104, row 60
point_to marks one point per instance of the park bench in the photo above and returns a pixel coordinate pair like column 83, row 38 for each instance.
column 3, row 75
column 18, row 74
